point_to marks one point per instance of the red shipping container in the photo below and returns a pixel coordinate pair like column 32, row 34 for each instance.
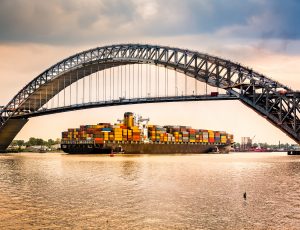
column 211, row 140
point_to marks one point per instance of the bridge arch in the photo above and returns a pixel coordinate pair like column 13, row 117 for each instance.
column 270, row 99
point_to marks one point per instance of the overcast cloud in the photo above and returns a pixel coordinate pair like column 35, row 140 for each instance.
column 68, row 22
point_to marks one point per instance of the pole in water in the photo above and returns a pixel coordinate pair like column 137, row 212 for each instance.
column 111, row 153
column 245, row 195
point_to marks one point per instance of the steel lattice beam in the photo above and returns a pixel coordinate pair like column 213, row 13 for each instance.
column 272, row 100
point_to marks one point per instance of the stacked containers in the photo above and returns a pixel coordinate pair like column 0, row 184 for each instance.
column 117, row 132
column 185, row 136
column 159, row 133
column 217, row 137
column 170, row 137
column 129, row 135
column 197, row 136
column 152, row 132
column 192, row 136
column 136, row 133
column 223, row 138
column 211, row 136
column 176, row 136
column 124, row 136
column 129, row 132
column 64, row 136
column 205, row 136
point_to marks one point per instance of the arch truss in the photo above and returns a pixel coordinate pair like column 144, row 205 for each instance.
column 270, row 99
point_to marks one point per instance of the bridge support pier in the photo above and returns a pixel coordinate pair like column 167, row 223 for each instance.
column 9, row 131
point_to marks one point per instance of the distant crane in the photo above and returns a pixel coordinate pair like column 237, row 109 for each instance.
column 120, row 120
column 258, row 145
column 253, row 138
column 252, row 142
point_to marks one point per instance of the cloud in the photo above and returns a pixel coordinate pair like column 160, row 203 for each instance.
column 67, row 22
column 61, row 22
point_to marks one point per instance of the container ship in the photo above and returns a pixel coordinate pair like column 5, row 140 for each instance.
column 134, row 135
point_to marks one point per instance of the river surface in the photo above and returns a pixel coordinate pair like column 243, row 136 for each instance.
column 59, row 191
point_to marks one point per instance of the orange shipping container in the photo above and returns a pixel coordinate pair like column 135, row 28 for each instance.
column 98, row 140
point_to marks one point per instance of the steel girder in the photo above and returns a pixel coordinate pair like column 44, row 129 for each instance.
column 271, row 99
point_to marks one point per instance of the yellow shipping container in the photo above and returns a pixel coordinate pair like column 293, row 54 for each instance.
column 117, row 129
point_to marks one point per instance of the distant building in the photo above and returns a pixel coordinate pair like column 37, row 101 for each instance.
column 246, row 143
column 55, row 147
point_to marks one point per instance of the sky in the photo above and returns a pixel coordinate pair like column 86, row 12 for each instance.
column 262, row 34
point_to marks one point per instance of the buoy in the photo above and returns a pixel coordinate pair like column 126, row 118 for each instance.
column 111, row 153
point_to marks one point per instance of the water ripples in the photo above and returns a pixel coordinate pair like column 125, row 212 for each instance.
column 57, row 191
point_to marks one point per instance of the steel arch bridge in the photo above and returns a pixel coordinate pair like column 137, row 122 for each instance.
column 270, row 99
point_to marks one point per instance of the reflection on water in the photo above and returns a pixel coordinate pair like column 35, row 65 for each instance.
column 150, row 191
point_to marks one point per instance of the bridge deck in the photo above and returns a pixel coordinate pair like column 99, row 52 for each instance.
column 44, row 111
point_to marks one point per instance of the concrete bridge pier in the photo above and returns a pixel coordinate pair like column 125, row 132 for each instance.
column 9, row 131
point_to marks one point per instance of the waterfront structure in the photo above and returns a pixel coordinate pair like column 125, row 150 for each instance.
column 246, row 143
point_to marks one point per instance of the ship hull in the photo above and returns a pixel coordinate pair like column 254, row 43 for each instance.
column 145, row 148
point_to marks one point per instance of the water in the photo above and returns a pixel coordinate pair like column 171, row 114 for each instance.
column 55, row 191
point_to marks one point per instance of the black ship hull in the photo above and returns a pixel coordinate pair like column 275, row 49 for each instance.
column 145, row 148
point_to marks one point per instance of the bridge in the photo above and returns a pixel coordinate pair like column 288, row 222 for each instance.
column 137, row 73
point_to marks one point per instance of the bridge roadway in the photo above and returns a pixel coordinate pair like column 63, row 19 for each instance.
column 89, row 105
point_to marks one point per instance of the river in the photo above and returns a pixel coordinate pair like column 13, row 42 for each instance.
column 55, row 191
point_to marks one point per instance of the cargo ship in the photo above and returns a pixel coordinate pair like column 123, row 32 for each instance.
column 134, row 135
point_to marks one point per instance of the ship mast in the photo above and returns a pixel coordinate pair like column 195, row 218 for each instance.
column 142, row 123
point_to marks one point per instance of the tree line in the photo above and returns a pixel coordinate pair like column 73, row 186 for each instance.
column 35, row 141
